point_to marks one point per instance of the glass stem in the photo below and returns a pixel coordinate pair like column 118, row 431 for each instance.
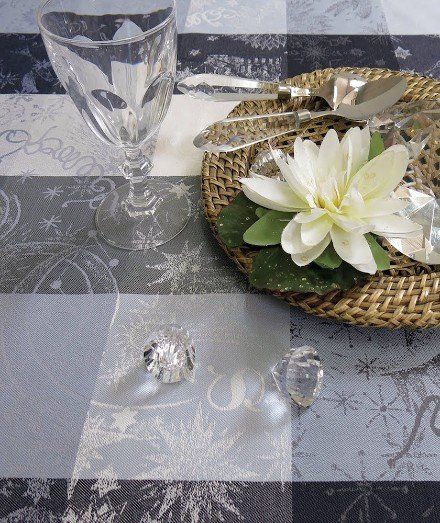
column 136, row 169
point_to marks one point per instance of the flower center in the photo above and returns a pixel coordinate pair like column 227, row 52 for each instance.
column 330, row 204
column 328, row 195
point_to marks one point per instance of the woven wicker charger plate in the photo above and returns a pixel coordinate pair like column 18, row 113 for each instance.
column 408, row 295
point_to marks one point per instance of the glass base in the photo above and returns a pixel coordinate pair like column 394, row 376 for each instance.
column 143, row 227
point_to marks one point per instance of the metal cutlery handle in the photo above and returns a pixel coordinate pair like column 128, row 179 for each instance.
column 290, row 117
column 288, row 92
column 235, row 89
column 234, row 133
column 231, row 134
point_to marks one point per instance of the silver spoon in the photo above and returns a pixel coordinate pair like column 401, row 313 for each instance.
column 231, row 134
column 222, row 88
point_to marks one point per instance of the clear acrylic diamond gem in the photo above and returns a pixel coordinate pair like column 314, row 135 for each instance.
column 410, row 124
column 264, row 163
column 299, row 375
column 169, row 354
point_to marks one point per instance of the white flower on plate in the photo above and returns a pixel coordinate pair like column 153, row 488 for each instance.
column 338, row 196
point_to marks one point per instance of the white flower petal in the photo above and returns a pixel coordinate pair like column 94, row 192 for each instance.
column 312, row 151
column 369, row 268
column 273, row 194
column 347, row 147
column 352, row 201
column 380, row 207
column 329, row 188
column 350, row 223
column 314, row 232
column 305, row 157
column 307, row 257
column 356, row 147
column 293, row 176
column 382, row 174
column 328, row 204
column 365, row 142
column 330, row 155
column 351, row 247
column 309, row 216
column 394, row 225
column 291, row 239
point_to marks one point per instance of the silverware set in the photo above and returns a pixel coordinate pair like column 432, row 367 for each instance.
column 348, row 96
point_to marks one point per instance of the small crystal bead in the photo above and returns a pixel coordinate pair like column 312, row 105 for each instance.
column 169, row 354
column 299, row 375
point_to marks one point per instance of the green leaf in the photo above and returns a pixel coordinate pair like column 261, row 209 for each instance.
column 376, row 145
column 261, row 211
column 380, row 255
column 274, row 269
column 267, row 230
column 235, row 219
column 329, row 259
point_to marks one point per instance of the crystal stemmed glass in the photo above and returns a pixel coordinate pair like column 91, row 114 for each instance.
column 117, row 61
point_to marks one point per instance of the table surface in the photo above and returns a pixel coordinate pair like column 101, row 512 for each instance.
column 85, row 433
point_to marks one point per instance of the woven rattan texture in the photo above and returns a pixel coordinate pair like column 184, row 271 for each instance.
column 408, row 295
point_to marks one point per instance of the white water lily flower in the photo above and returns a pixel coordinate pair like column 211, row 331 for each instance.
column 338, row 196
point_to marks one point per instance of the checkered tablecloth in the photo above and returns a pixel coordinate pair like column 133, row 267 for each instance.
column 86, row 435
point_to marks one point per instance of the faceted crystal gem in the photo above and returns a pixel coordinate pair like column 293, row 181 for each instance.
column 299, row 375
column 423, row 209
column 410, row 124
column 264, row 163
column 169, row 354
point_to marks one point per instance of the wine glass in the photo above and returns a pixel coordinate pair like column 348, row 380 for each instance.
column 117, row 61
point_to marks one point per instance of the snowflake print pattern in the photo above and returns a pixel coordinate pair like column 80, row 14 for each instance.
column 347, row 402
column 97, row 436
column 196, row 444
column 25, row 175
column 367, row 497
column 50, row 223
column 6, row 487
column 368, row 367
column 263, row 41
column 38, row 488
column 383, row 409
column 198, row 502
column 52, row 192
column 188, row 271
column 107, row 482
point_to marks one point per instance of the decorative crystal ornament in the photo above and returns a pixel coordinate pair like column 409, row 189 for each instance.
column 410, row 124
column 299, row 375
column 264, row 163
column 423, row 209
column 169, row 354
